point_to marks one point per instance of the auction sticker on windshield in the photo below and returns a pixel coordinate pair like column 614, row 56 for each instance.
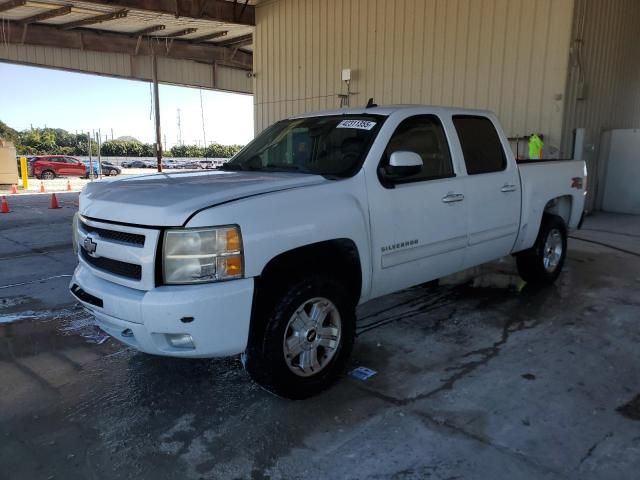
column 359, row 124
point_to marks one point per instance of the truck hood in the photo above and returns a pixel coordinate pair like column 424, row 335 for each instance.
column 169, row 199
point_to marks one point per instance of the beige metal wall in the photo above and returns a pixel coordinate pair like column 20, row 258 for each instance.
column 510, row 56
column 173, row 71
column 605, row 59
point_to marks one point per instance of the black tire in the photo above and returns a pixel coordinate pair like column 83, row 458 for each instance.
column 47, row 175
column 265, row 359
column 533, row 267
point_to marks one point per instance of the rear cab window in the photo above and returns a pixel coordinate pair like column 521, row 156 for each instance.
column 481, row 146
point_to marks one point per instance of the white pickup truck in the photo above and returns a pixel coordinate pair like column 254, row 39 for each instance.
column 269, row 255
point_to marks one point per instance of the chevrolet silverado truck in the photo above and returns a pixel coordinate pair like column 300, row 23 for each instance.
column 269, row 255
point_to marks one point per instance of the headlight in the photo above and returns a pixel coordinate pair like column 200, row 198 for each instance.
column 75, row 224
column 202, row 255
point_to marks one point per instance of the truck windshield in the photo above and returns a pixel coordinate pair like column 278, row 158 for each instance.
column 332, row 146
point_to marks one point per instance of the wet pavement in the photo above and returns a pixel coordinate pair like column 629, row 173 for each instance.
column 479, row 377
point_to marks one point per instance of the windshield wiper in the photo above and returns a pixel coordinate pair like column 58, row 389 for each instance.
column 286, row 168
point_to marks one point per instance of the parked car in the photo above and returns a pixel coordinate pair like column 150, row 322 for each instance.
column 109, row 169
column 168, row 163
column 320, row 213
column 208, row 164
column 191, row 166
column 48, row 167
column 134, row 164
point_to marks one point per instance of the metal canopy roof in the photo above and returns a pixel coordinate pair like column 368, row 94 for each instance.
column 209, row 31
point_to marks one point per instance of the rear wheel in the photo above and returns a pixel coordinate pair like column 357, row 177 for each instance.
column 304, row 340
column 48, row 175
column 542, row 263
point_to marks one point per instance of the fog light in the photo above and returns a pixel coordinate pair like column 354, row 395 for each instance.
column 180, row 340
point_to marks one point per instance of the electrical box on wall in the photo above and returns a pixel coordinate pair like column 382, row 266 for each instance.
column 346, row 74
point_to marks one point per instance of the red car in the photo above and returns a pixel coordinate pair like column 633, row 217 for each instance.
column 52, row 166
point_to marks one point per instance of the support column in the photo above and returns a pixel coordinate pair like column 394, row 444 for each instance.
column 156, row 108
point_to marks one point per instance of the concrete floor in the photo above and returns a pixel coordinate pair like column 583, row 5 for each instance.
column 477, row 378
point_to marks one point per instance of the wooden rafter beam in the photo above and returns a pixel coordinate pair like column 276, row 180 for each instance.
column 209, row 36
column 237, row 42
column 11, row 4
column 93, row 20
column 39, row 17
column 114, row 42
column 179, row 33
column 216, row 10
column 148, row 30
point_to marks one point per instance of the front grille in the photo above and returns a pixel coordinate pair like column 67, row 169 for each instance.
column 124, row 237
column 116, row 267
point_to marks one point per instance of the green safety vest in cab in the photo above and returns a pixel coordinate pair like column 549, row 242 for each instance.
column 535, row 147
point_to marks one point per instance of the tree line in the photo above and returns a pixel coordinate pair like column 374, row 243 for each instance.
column 57, row 141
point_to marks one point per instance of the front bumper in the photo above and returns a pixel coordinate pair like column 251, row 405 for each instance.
column 220, row 314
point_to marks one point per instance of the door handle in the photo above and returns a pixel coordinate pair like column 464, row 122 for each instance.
column 508, row 188
column 453, row 197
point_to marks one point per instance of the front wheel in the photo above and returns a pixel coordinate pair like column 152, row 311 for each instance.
column 305, row 338
column 542, row 263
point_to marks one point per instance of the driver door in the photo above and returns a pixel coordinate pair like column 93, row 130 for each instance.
column 418, row 223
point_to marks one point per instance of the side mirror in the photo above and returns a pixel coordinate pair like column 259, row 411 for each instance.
column 403, row 164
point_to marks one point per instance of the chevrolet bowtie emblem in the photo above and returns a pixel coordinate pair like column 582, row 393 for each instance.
column 89, row 245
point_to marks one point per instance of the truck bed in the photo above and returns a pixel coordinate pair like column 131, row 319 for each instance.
column 544, row 179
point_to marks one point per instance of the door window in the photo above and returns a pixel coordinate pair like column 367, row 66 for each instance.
column 480, row 144
column 424, row 135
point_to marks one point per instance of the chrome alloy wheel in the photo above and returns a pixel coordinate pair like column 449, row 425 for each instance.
column 312, row 336
column 552, row 252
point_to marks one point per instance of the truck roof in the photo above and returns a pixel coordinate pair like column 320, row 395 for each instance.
column 387, row 110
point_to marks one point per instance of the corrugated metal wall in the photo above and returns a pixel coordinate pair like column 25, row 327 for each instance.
column 605, row 58
column 510, row 56
column 173, row 71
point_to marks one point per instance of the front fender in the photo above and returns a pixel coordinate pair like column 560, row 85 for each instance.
column 275, row 223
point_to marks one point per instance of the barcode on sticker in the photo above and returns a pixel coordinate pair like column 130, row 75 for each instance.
column 359, row 124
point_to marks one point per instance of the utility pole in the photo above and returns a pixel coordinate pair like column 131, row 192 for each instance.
column 156, row 105
column 99, row 154
column 204, row 134
column 179, row 129
column 90, row 157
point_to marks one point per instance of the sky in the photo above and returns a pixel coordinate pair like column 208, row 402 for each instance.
column 39, row 97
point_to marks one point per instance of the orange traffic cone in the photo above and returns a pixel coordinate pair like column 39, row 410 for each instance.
column 68, row 185
column 42, row 187
column 4, row 207
column 54, row 201
column 14, row 189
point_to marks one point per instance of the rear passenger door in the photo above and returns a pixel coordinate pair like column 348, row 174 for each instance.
column 59, row 165
column 492, row 189
column 418, row 223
